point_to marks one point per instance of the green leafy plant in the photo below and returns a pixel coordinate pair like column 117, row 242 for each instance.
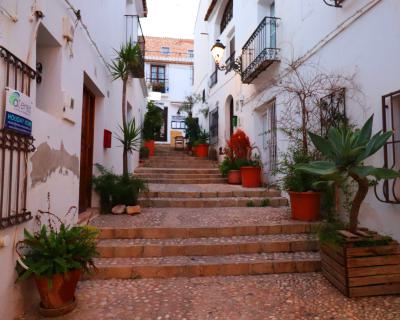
column 227, row 165
column 56, row 250
column 192, row 130
column 116, row 189
column 130, row 139
column 250, row 204
column 346, row 150
column 144, row 152
column 265, row 202
column 153, row 121
column 203, row 138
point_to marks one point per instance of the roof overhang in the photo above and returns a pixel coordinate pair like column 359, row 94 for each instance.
column 144, row 8
column 210, row 9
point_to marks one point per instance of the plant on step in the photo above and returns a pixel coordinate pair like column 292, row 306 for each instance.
column 203, row 137
column 345, row 150
column 192, row 130
column 130, row 139
column 238, row 146
column 153, row 121
column 265, row 202
column 250, row 204
column 116, row 189
column 144, row 152
column 55, row 256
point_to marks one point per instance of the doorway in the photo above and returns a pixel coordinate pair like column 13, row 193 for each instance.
column 162, row 135
column 87, row 136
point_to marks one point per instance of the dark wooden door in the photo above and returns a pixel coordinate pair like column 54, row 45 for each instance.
column 86, row 166
column 231, row 118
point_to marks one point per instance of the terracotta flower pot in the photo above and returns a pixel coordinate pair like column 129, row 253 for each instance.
column 149, row 144
column 234, row 177
column 305, row 205
column 251, row 177
column 60, row 292
column 202, row 150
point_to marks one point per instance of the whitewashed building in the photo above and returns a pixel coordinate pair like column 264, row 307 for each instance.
column 353, row 38
column 169, row 78
column 55, row 53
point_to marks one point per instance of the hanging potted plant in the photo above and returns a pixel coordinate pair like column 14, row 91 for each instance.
column 56, row 257
column 153, row 121
column 305, row 200
column 365, row 259
column 202, row 145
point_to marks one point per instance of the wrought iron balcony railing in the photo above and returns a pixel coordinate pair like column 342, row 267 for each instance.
column 158, row 85
column 230, row 62
column 260, row 50
column 213, row 79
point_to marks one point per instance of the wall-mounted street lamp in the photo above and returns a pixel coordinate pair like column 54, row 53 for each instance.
column 217, row 52
column 334, row 3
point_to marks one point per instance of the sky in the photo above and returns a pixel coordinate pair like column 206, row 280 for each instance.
column 170, row 18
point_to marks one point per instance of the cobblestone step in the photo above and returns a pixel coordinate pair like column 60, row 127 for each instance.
column 143, row 248
column 213, row 202
column 183, row 164
column 177, row 170
column 197, row 266
column 288, row 227
column 178, row 175
column 211, row 194
column 172, row 157
column 186, row 181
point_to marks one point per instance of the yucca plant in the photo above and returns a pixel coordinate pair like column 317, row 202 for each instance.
column 345, row 151
column 130, row 139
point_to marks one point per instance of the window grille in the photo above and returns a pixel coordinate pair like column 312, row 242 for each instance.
column 332, row 111
column 213, row 123
column 227, row 16
column 270, row 137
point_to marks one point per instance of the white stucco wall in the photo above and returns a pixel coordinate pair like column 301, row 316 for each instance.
column 69, row 68
column 359, row 38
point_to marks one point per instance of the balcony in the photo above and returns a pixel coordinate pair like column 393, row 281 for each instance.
column 158, row 85
column 260, row 50
column 213, row 79
column 134, row 33
column 230, row 62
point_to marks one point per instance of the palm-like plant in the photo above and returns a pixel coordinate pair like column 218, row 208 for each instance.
column 130, row 139
column 125, row 65
column 345, row 150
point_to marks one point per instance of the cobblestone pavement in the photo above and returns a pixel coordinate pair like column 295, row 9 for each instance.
column 272, row 297
column 196, row 217
column 159, row 187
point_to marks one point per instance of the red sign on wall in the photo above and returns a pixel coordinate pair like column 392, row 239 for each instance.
column 107, row 139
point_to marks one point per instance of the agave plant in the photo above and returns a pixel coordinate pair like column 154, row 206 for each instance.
column 345, row 151
column 130, row 140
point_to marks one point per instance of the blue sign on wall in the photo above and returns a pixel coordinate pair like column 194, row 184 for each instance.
column 17, row 123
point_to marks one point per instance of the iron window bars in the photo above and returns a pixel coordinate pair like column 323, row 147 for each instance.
column 226, row 16
column 14, row 149
column 213, row 123
column 388, row 191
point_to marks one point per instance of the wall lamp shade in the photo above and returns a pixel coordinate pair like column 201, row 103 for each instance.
column 217, row 52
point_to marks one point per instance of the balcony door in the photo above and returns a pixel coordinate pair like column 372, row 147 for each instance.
column 158, row 78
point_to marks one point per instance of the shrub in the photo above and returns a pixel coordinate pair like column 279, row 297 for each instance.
column 239, row 146
column 144, row 152
column 116, row 189
column 153, row 121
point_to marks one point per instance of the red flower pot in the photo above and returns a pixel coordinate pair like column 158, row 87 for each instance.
column 149, row 144
column 305, row 205
column 61, row 292
column 251, row 177
column 202, row 150
column 234, row 177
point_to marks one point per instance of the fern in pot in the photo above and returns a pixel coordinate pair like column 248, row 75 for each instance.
column 55, row 256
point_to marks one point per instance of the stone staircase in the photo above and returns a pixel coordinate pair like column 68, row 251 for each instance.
column 189, row 230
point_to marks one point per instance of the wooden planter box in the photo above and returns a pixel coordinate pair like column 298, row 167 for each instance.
column 362, row 271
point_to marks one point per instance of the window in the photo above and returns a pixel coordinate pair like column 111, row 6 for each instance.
column 158, row 80
column 213, row 123
column 333, row 111
column 389, row 190
column 227, row 16
column 203, row 96
column 270, row 136
column 191, row 53
column 165, row 50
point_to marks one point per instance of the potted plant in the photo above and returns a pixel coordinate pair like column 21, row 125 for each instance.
column 229, row 168
column 250, row 171
column 305, row 200
column 202, row 145
column 357, row 262
column 192, row 132
column 153, row 121
column 143, row 153
column 115, row 190
column 56, row 256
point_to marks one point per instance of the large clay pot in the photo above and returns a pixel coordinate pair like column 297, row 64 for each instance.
column 60, row 292
column 305, row 206
column 149, row 144
column 202, row 150
column 251, row 177
column 234, row 177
